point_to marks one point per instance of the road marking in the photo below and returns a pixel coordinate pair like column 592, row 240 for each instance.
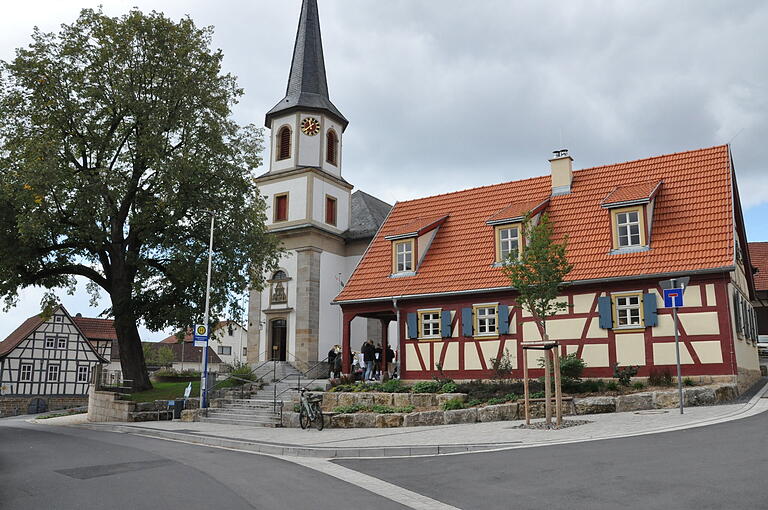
column 372, row 484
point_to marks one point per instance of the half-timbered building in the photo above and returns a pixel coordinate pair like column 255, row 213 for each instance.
column 48, row 356
column 435, row 268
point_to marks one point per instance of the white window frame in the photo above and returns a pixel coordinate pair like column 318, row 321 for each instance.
column 222, row 348
column 627, row 224
column 59, row 342
column 83, row 371
column 50, row 342
column 505, row 245
column 28, row 377
column 486, row 324
column 48, row 373
column 626, row 309
column 58, row 318
column 406, row 254
column 429, row 323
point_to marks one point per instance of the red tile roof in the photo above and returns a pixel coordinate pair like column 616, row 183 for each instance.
column 693, row 227
column 632, row 193
column 758, row 254
column 420, row 225
column 519, row 209
column 19, row 334
column 96, row 329
column 188, row 335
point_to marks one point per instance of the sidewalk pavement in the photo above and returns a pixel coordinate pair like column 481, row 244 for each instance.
column 432, row 440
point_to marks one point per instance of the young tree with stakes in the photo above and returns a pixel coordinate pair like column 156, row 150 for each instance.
column 114, row 134
column 537, row 275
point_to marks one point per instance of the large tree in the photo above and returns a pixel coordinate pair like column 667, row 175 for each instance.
column 115, row 136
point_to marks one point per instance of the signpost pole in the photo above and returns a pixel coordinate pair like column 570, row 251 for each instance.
column 677, row 355
column 204, row 375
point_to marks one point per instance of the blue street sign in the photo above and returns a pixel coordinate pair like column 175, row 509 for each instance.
column 201, row 335
column 673, row 298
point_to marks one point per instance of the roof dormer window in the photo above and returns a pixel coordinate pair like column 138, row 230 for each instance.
column 628, row 228
column 631, row 213
column 403, row 256
column 411, row 242
column 508, row 242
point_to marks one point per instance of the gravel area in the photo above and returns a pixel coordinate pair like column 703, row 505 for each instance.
column 540, row 425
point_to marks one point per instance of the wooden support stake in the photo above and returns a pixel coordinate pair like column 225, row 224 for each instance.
column 558, row 387
column 547, row 388
column 526, row 393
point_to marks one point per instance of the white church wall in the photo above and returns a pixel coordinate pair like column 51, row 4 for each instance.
column 297, row 198
column 289, row 264
column 321, row 188
column 309, row 146
column 332, row 267
column 284, row 164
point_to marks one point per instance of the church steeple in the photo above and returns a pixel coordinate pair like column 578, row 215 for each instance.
column 307, row 86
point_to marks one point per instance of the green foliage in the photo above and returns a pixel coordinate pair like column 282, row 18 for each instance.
column 539, row 273
column 688, row 382
column 380, row 409
column 115, row 133
column 611, row 386
column 538, row 394
column 393, row 386
column 663, row 378
column 157, row 355
column 449, row 387
column 426, row 387
column 165, row 391
column 511, row 397
column 588, row 386
column 485, row 390
column 502, row 366
column 572, row 367
column 638, row 386
column 240, row 374
column 180, row 374
column 453, row 404
column 296, row 408
column 625, row 374
column 496, row 400
column 474, row 402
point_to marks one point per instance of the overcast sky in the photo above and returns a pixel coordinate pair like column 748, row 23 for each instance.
column 448, row 94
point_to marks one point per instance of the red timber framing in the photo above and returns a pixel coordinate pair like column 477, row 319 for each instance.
column 386, row 313
column 707, row 338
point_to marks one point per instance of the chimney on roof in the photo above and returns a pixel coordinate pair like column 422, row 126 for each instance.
column 562, row 172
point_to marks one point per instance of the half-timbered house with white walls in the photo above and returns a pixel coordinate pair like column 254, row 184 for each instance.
column 435, row 268
column 48, row 357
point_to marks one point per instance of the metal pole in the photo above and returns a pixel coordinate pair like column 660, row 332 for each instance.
column 677, row 355
column 204, row 375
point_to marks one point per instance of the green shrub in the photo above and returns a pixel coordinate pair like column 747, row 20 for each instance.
column 511, row 397
column 296, row 408
column 348, row 409
column 449, row 387
column 688, row 382
column 453, row 404
column 393, row 386
column 502, row 366
column 496, row 401
column 484, row 390
column 591, row 386
column 663, row 378
column 624, row 374
column 426, row 387
column 380, row 409
column 571, row 366
column 611, row 386
column 240, row 374
column 473, row 403
column 638, row 386
column 538, row 394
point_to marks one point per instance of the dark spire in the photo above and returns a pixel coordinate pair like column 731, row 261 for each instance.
column 307, row 86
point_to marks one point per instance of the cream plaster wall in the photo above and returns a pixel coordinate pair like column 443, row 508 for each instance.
column 411, row 358
column 309, row 146
column 664, row 354
column 451, row 361
column 425, row 354
column 582, row 303
column 746, row 355
column 709, row 351
column 699, row 323
column 595, row 331
column 322, row 187
column 630, row 349
column 711, row 298
column 558, row 329
column 595, row 355
column 692, row 296
column 665, row 327
column 471, row 359
column 490, row 349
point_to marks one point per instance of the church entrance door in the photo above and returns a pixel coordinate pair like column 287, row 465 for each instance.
column 278, row 334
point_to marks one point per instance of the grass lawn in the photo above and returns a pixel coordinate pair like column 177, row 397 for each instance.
column 165, row 391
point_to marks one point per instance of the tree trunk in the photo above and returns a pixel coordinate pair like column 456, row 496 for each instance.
column 128, row 340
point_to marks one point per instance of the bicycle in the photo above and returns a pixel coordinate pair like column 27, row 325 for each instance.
column 309, row 411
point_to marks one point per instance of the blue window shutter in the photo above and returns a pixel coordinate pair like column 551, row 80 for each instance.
column 604, row 307
column 466, row 321
column 503, row 320
column 413, row 329
column 649, row 310
column 445, row 324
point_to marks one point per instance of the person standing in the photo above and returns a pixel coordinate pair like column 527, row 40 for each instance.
column 331, row 360
column 378, row 362
column 337, row 363
column 390, row 357
column 368, row 358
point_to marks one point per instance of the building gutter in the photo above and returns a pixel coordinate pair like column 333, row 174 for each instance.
column 723, row 269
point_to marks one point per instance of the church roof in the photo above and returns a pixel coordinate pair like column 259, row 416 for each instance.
column 368, row 213
column 307, row 85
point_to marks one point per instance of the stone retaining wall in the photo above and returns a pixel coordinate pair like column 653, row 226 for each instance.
column 108, row 406
column 11, row 405
column 692, row 396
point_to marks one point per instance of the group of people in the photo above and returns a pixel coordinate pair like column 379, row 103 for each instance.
column 367, row 364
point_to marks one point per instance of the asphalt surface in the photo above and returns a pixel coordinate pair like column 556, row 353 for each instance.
column 714, row 467
column 64, row 468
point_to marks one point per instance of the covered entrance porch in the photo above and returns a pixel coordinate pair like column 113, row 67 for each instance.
column 383, row 312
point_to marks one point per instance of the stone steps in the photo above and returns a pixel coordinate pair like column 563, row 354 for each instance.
column 272, row 422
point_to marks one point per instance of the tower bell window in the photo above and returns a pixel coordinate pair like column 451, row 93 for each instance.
column 283, row 143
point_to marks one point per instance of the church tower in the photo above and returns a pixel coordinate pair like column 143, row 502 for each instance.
column 310, row 208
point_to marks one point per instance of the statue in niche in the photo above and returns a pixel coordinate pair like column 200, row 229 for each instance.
column 278, row 293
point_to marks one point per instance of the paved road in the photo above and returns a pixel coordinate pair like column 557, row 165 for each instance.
column 719, row 467
column 60, row 468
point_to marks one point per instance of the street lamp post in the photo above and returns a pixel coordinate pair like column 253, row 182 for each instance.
column 204, row 375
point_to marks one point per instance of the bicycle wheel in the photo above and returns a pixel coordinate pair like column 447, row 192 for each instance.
column 318, row 421
column 303, row 418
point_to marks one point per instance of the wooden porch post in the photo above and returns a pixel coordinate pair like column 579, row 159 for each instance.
column 383, row 365
column 346, row 351
column 526, row 391
column 548, row 387
column 558, row 388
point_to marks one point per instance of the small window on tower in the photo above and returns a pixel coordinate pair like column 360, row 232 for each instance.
column 283, row 143
column 330, row 210
column 281, row 207
column 332, row 146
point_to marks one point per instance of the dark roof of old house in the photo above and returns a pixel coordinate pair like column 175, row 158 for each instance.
column 368, row 213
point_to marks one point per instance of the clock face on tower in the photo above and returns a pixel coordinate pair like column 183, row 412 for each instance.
column 310, row 126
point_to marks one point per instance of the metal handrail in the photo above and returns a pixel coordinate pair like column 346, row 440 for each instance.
column 310, row 381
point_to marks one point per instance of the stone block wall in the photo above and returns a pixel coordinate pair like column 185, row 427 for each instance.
column 14, row 405
column 107, row 406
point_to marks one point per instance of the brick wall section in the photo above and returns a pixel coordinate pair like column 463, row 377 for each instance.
column 307, row 305
column 106, row 406
column 17, row 405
